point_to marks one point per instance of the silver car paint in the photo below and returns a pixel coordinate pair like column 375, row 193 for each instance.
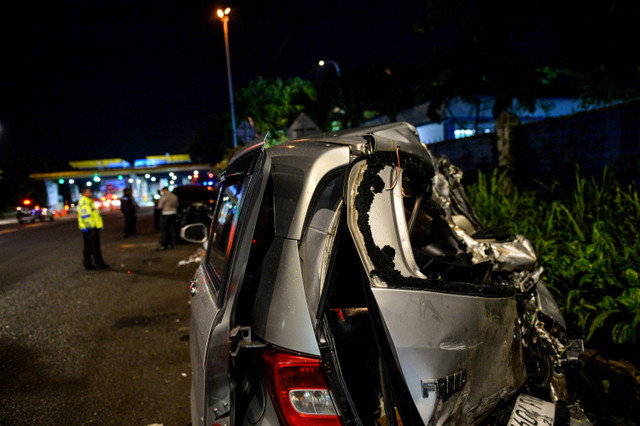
column 515, row 254
column 296, row 171
column 437, row 334
column 203, row 312
column 315, row 252
column 386, row 208
column 385, row 138
column 433, row 334
column 210, row 360
column 281, row 315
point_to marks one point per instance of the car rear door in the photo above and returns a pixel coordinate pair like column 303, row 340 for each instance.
column 454, row 340
column 217, row 280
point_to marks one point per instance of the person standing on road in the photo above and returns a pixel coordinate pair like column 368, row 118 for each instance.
column 168, row 206
column 129, row 207
column 90, row 223
column 156, row 210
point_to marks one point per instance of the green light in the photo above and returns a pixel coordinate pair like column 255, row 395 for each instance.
column 120, row 177
column 96, row 178
column 61, row 181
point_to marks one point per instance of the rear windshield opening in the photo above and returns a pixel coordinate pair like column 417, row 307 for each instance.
column 436, row 250
column 410, row 201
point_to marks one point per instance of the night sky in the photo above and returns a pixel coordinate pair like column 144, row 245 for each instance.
column 99, row 79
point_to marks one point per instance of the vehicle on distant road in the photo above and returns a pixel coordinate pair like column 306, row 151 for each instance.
column 30, row 211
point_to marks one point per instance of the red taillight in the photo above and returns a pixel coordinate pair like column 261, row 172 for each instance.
column 298, row 389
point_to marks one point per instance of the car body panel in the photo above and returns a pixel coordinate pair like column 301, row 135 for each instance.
column 212, row 395
column 318, row 239
column 297, row 170
column 282, row 316
column 203, row 312
column 438, row 341
column 384, row 138
column 437, row 329
column 438, row 334
column 385, row 207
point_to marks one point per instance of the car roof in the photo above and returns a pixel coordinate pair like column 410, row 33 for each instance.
column 298, row 167
column 386, row 137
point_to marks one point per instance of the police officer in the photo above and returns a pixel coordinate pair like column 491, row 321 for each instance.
column 90, row 223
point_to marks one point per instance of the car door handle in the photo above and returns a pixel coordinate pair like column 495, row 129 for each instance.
column 193, row 288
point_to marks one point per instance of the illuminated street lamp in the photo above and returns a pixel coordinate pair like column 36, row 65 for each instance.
column 339, row 109
column 322, row 63
column 224, row 16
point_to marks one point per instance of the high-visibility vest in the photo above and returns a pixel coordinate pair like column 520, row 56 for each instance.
column 88, row 215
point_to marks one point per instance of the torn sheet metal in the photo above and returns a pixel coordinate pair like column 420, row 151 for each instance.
column 380, row 194
column 473, row 296
column 388, row 240
column 377, row 208
column 516, row 253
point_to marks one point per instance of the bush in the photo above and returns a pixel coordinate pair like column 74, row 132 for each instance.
column 587, row 240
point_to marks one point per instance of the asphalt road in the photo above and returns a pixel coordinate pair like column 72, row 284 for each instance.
column 93, row 347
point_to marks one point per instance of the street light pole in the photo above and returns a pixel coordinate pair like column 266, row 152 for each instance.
column 323, row 62
column 334, row 63
column 224, row 16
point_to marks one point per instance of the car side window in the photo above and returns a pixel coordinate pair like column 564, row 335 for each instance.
column 223, row 228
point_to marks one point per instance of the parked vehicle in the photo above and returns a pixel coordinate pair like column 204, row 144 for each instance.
column 197, row 203
column 30, row 211
column 347, row 280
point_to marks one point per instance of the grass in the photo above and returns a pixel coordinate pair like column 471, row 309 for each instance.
column 586, row 238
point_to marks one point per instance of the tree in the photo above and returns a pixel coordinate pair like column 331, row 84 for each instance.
column 596, row 56
column 273, row 104
column 526, row 50
column 385, row 89
column 212, row 140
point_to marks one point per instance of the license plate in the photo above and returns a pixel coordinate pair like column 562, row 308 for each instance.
column 530, row 411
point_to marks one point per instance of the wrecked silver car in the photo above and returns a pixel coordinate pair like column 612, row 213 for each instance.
column 347, row 280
